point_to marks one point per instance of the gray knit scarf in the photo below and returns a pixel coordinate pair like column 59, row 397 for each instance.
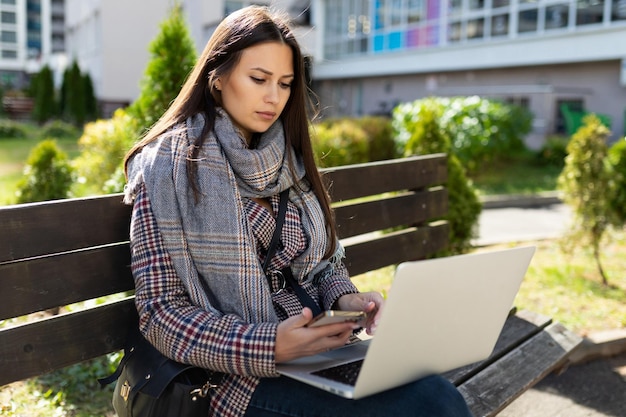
column 211, row 239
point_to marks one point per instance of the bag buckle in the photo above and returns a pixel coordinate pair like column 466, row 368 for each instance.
column 203, row 391
column 282, row 282
column 125, row 391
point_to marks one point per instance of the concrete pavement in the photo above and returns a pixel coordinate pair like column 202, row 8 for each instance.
column 594, row 384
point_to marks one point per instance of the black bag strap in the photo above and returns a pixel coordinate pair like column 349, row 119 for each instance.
column 304, row 297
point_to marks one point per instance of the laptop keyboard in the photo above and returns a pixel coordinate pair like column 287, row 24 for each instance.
column 346, row 373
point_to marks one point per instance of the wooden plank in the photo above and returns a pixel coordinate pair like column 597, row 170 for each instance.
column 372, row 178
column 36, row 229
column 43, row 346
column 395, row 247
column 410, row 209
column 517, row 329
column 53, row 281
column 499, row 384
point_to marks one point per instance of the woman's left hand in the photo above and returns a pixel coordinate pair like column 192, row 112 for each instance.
column 370, row 302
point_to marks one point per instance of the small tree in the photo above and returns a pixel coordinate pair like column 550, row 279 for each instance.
column 173, row 54
column 73, row 95
column 617, row 193
column 47, row 175
column 584, row 183
column 418, row 126
column 44, row 95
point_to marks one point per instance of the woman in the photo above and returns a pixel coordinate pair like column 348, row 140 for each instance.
column 205, row 184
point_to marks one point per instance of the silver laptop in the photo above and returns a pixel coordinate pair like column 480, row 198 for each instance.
column 440, row 314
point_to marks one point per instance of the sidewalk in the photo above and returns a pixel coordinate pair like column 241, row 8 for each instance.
column 594, row 384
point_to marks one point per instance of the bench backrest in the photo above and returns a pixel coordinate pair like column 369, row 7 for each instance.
column 58, row 253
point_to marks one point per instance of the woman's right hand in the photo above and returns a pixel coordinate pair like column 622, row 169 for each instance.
column 295, row 340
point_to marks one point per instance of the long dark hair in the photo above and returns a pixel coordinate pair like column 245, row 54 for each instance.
column 240, row 30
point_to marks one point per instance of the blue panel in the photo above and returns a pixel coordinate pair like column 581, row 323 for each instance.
column 395, row 40
column 379, row 43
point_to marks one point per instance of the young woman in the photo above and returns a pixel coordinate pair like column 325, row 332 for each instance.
column 205, row 183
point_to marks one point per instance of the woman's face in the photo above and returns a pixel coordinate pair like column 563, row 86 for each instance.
column 256, row 91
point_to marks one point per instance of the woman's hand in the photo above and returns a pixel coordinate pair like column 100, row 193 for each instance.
column 295, row 340
column 370, row 302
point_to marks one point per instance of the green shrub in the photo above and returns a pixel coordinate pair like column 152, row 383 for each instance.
column 419, row 124
column 103, row 146
column 617, row 193
column 42, row 86
column 10, row 129
column 480, row 130
column 60, row 130
column 47, row 176
column 380, row 138
column 584, row 183
column 339, row 142
column 553, row 151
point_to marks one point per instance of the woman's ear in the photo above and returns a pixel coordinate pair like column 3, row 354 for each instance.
column 218, row 85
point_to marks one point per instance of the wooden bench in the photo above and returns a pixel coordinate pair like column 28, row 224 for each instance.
column 58, row 253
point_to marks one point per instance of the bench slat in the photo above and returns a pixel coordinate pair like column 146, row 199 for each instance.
column 488, row 393
column 54, row 281
column 390, row 212
column 62, row 225
column 395, row 247
column 40, row 347
column 410, row 173
column 517, row 329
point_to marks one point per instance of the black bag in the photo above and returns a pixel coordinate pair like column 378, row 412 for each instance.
column 152, row 385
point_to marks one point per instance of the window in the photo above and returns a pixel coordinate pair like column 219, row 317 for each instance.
column 9, row 54
column 475, row 28
column 557, row 16
column 527, row 21
column 589, row 12
column 618, row 10
column 500, row 25
column 7, row 17
column 7, row 36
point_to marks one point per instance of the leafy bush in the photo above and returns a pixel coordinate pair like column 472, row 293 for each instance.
column 617, row 193
column 480, row 130
column 103, row 146
column 584, row 182
column 419, row 124
column 553, row 151
column 10, row 129
column 347, row 140
column 339, row 142
column 47, row 175
column 59, row 129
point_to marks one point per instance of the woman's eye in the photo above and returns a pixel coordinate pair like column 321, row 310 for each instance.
column 257, row 80
column 285, row 85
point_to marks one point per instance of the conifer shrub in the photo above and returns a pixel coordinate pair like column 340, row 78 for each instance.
column 617, row 179
column 48, row 174
column 419, row 127
column 42, row 86
column 584, row 183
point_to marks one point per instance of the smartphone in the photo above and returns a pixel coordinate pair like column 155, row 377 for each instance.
column 336, row 316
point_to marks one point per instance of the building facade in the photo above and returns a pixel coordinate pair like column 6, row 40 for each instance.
column 32, row 33
column 374, row 54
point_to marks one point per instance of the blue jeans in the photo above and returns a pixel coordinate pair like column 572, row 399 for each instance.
column 432, row 396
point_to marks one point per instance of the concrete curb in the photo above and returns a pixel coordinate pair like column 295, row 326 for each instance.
column 600, row 344
column 545, row 198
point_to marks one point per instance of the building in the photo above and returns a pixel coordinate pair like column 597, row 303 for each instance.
column 373, row 54
column 32, row 33
column 109, row 39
